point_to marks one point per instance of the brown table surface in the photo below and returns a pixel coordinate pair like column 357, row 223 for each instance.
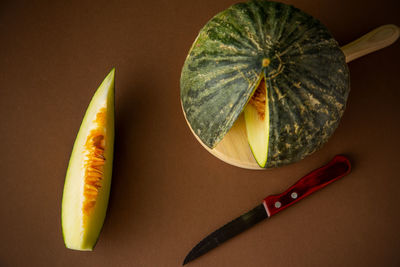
column 167, row 191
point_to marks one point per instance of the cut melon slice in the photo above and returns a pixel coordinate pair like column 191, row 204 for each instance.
column 256, row 115
column 88, row 178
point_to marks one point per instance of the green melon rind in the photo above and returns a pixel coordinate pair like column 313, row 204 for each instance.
column 106, row 93
column 308, row 78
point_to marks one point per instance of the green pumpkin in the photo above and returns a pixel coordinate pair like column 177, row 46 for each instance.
column 303, row 68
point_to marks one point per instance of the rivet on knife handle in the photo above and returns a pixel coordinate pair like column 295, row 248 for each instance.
column 338, row 167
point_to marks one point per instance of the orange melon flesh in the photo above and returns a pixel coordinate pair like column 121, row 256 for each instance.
column 88, row 178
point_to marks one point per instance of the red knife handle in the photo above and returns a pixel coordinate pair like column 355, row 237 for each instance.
column 338, row 167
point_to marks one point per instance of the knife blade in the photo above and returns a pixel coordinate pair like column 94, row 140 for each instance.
column 338, row 167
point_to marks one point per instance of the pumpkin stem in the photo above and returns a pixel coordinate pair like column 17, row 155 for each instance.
column 266, row 62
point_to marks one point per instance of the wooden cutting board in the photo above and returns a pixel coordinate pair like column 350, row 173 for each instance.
column 234, row 148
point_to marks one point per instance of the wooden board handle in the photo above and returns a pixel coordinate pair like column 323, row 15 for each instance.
column 377, row 39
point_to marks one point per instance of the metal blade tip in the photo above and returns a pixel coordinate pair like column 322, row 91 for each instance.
column 187, row 259
column 227, row 231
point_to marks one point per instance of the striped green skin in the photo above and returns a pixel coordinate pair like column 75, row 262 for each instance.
column 307, row 77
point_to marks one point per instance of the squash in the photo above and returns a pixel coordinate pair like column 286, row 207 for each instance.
column 88, row 178
column 271, row 50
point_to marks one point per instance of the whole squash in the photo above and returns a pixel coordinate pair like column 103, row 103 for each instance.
column 282, row 57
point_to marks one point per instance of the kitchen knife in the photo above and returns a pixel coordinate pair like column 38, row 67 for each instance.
column 338, row 167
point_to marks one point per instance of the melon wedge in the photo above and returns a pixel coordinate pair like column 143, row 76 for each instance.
column 256, row 116
column 88, row 178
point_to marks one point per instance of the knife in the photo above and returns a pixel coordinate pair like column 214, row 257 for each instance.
column 338, row 167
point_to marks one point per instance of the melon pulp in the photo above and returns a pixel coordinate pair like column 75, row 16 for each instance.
column 256, row 115
column 88, row 178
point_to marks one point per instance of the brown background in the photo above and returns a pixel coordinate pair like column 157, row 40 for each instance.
column 168, row 192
